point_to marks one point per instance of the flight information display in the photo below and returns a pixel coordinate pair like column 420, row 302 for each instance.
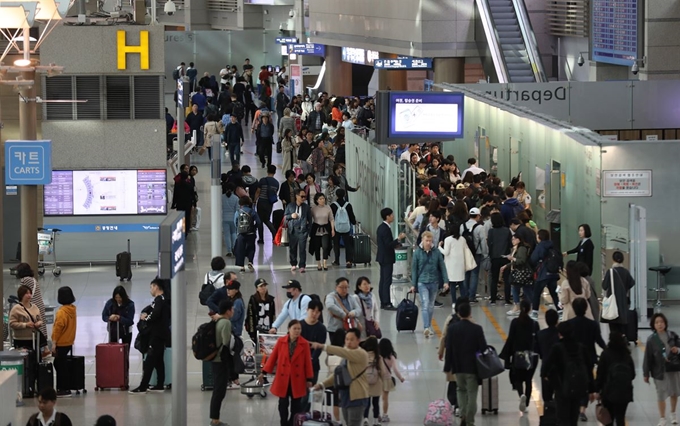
column 106, row 192
column 426, row 115
column 615, row 31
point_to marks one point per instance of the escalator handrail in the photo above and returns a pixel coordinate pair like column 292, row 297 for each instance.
column 494, row 41
column 529, row 38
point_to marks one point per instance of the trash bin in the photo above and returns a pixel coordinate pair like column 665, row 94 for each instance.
column 14, row 361
column 400, row 271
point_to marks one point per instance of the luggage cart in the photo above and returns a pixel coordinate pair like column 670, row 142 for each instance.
column 253, row 366
column 47, row 245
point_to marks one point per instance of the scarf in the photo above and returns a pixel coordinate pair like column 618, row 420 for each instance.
column 367, row 300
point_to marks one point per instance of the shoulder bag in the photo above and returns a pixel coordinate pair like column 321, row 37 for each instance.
column 347, row 321
column 42, row 339
column 371, row 329
column 488, row 363
column 610, row 309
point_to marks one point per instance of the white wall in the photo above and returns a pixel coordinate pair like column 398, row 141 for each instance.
column 568, row 61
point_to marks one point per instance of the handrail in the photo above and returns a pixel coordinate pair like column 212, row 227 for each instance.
column 529, row 40
column 492, row 38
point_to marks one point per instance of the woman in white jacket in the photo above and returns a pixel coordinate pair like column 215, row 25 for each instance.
column 458, row 260
column 370, row 306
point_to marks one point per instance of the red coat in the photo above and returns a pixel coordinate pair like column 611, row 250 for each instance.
column 296, row 371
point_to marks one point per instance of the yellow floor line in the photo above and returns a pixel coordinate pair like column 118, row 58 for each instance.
column 436, row 329
column 535, row 394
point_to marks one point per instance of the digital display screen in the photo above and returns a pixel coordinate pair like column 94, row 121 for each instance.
column 106, row 193
column 615, row 31
column 431, row 115
column 403, row 64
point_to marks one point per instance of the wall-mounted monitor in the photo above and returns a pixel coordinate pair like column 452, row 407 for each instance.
column 106, row 193
column 419, row 117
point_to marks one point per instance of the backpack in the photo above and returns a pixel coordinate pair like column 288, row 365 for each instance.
column 553, row 261
column 210, row 109
column 342, row 223
column 342, row 378
column 175, row 74
column 517, row 209
column 372, row 373
column 619, row 384
column 238, row 110
column 575, row 377
column 468, row 234
column 312, row 297
column 245, row 222
column 208, row 288
column 204, row 342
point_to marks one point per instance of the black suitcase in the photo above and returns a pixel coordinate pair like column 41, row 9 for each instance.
column 407, row 314
column 362, row 246
column 277, row 218
column 45, row 376
column 632, row 327
column 75, row 371
column 549, row 417
column 124, row 264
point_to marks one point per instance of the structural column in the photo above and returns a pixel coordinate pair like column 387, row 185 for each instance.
column 338, row 73
column 449, row 70
column 29, row 193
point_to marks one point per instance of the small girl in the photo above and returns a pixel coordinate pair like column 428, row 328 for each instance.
column 389, row 358
column 63, row 337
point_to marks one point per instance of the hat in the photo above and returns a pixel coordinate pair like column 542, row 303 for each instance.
column 475, row 211
column 293, row 284
column 260, row 281
column 460, row 186
column 234, row 285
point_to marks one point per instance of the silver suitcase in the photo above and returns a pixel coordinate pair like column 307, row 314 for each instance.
column 490, row 395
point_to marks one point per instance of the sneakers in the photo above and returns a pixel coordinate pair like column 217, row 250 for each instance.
column 365, row 421
column 157, row 389
column 376, row 421
column 523, row 403
column 230, row 254
column 385, row 418
column 583, row 417
column 474, row 302
column 662, row 422
column 514, row 312
column 302, row 270
column 233, row 386
column 293, row 268
column 674, row 419
column 492, row 303
column 438, row 304
column 137, row 391
column 250, row 267
column 457, row 412
column 64, row 394
column 427, row 332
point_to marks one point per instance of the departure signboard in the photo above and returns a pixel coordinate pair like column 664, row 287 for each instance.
column 615, row 31
column 106, row 192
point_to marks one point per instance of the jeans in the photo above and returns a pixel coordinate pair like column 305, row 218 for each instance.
column 527, row 292
column 468, row 387
column 230, row 235
column 322, row 242
column 245, row 247
column 567, row 410
column 295, row 408
column 496, row 265
column 349, row 247
column 60, row 366
column 375, row 402
column 353, row 415
column 427, row 293
column 385, row 283
column 154, row 361
column 472, row 280
column 220, row 379
column 234, row 153
column 264, row 210
column 463, row 290
column 538, row 292
column 297, row 244
column 618, row 412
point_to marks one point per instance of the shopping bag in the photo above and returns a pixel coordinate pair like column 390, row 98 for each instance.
column 279, row 234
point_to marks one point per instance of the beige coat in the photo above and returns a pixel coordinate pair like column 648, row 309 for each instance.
column 567, row 296
column 357, row 361
column 211, row 128
column 18, row 319
column 376, row 389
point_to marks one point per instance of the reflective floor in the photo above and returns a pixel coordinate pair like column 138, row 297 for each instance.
column 417, row 355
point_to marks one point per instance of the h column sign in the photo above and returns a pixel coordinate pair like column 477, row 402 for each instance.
column 142, row 50
column 28, row 162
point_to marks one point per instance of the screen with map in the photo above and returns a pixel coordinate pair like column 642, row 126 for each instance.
column 106, row 192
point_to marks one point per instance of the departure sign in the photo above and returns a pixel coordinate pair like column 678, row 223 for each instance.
column 403, row 64
column 615, row 31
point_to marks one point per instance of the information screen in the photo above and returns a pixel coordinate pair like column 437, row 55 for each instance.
column 426, row 115
column 615, row 31
column 106, row 193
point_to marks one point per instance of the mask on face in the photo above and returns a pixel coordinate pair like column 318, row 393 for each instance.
column 289, row 295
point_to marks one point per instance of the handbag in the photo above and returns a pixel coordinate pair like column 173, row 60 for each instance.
column 602, row 414
column 371, row 329
column 347, row 321
column 392, row 384
column 610, row 309
column 522, row 360
column 469, row 259
column 488, row 363
column 521, row 277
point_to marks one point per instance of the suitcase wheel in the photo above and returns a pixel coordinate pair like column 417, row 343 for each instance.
column 263, row 393
column 96, row 389
column 250, row 395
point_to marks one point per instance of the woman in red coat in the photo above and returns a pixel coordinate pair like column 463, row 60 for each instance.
column 293, row 362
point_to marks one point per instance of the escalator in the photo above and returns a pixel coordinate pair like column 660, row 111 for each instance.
column 507, row 43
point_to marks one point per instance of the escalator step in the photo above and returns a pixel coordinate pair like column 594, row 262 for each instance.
column 511, row 40
column 502, row 9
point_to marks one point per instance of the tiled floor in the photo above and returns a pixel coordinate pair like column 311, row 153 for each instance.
column 417, row 355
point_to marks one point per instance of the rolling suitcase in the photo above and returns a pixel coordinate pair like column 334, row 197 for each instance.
column 490, row 395
column 632, row 327
column 362, row 246
column 167, row 361
column 407, row 314
column 124, row 264
column 549, row 417
column 75, row 367
column 112, row 366
column 207, row 376
column 45, row 376
column 277, row 218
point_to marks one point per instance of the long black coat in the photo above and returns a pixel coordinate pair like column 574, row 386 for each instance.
column 623, row 282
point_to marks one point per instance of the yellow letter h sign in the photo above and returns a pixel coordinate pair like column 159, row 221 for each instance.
column 142, row 50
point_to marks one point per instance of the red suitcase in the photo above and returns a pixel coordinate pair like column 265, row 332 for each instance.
column 112, row 366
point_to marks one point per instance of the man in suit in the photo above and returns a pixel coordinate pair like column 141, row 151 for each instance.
column 299, row 221
column 385, row 256
column 463, row 340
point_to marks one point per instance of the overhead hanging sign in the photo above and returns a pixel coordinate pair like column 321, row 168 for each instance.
column 307, row 49
column 627, row 183
column 28, row 162
column 286, row 40
column 359, row 56
column 403, row 64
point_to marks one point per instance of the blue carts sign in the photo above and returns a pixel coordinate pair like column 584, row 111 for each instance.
column 28, row 162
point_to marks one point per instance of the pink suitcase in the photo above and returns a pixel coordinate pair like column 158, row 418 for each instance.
column 112, row 366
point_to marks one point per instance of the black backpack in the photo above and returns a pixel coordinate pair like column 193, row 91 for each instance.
column 204, row 342
column 175, row 74
column 208, row 288
column 245, row 223
column 313, row 297
column 575, row 377
column 468, row 234
column 553, row 261
column 238, row 110
column 619, row 385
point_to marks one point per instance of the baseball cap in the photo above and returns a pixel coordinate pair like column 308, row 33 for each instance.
column 260, row 281
column 475, row 211
column 293, row 284
column 234, row 285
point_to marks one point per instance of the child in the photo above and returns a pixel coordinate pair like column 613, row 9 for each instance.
column 63, row 336
column 371, row 346
column 389, row 358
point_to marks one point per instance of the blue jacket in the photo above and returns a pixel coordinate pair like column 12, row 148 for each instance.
column 508, row 210
column 428, row 267
column 537, row 257
column 229, row 207
column 126, row 312
column 255, row 217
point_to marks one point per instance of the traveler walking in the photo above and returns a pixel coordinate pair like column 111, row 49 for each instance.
column 615, row 375
column 322, row 231
column 370, row 309
column 547, row 338
column 662, row 347
column 344, row 218
column 295, row 307
column 499, row 241
column 267, row 195
column 299, row 221
column 545, row 258
column 572, row 288
column 261, row 310
column 221, row 368
column 314, row 331
column 229, row 208
column 247, row 221
column 623, row 282
column 428, row 272
column 344, row 309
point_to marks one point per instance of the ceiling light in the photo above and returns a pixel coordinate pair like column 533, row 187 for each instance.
column 22, row 63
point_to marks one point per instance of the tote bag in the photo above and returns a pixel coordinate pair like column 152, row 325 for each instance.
column 610, row 310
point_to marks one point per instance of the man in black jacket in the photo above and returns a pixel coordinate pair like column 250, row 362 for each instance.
column 316, row 119
column 547, row 338
column 158, row 323
column 298, row 218
column 463, row 340
column 385, row 256
column 233, row 139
